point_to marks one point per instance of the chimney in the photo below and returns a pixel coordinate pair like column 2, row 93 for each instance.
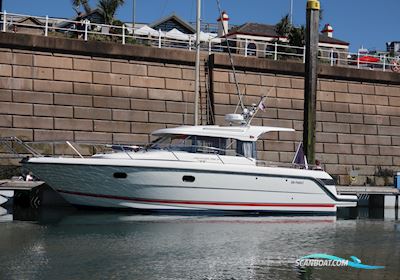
column 223, row 24
column 328, row 30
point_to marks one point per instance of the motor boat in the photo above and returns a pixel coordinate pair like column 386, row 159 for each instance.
column 192, row 168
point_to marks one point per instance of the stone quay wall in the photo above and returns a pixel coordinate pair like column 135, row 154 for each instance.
column 64, row 89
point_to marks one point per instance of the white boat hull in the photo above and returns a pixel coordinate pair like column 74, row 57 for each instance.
column 151, row 185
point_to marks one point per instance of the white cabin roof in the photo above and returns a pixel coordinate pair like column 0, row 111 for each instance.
column 243, row 133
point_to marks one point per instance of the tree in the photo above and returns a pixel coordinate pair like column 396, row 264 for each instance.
column 83, row 3
column 108, row 9
column 283, row 27
column 296, row 36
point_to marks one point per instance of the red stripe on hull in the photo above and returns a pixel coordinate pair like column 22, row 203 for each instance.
column 191, row 202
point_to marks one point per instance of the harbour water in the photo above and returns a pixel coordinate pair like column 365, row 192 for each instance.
column 74, row 244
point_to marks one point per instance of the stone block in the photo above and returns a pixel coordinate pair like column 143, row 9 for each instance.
column 351, row 139
column 132, row 92
column 379, row 160
column 290, row 136
column 335, row 127
column 387, row 90
column 147, row 105
column 220, row 98
column 68, row 99
column 271, row 145
column 72, row 75
column 337, row 148
column 33, row 72
column 15, row 83
column 388, row 130
column 73, row 124
column 98, row 137
column 161, row 117
column 22, row 59
column 283, row 82
column 269, row 81
column 52, row 86
column 112, row 126
column 220, row 76
column 290, row 114
column 349, row 118
column 336, row 169
column 298, row 104
column 164, row 94
column 138, row 139
column 129, row 68
column 389, row 151
column 5, row 95
column 145, row 128
column 92, row 89
column 290, row 93
column 111, row 102
column 6, row 120
column 92, row 65
column 395, row 140
column 352, row 159
column 250, row 79
column 363, row 129
column 188, row 74
column 92, row 113
column 53, row 135
column 325, row 96
column 297, row 83
column 326, row 116
column 268, row 156
column 32, row 97
column 395, row 121
column 180, row 107
column 32, row 122
column 334, row 107
column 374, row 119
column 53, row 111
column 110, row 79
column 165, row 72
column 5, row 70
column 388, row 110
column 147, row 82
column 323, row 137
column 52, row 61
column 327, row 158
column 361, row 88
column 179, row 84
column 365, row 150
column 5, row 57
column 348, row 98
column 375, row 100
column 377, row 140
column 393, row 101
column 16, row 108
column 128, row 115
column 21, row 133
column 333, row 86
column 362, row 109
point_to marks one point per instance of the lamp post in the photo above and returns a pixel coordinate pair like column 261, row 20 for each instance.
column 133, row 14
column 197, row 66
column 310, row 79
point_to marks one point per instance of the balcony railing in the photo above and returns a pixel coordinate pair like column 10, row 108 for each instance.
column 125, row 34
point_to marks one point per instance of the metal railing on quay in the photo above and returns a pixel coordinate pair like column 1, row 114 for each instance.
column 125, row 34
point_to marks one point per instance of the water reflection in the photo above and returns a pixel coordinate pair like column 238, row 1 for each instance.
column 65, row 243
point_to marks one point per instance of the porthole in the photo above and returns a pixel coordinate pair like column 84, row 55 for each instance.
column 188, row 178
column 120, row 175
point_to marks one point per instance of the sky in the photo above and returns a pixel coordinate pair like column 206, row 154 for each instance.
column 360, row 22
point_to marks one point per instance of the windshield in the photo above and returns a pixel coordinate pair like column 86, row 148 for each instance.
column 204, row 144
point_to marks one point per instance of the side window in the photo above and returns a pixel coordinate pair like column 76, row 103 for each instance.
column 251, row 49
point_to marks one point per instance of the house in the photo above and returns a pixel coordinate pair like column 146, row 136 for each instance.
column 171, row 22
column 257, row 39
column 28, row 25
column 393, row 47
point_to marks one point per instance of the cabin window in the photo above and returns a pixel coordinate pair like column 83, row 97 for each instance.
column 246, row 148
column 251, row 49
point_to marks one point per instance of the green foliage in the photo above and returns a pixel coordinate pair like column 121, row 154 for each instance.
column 108, row 9
column 284, row 26
column 83, row 3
